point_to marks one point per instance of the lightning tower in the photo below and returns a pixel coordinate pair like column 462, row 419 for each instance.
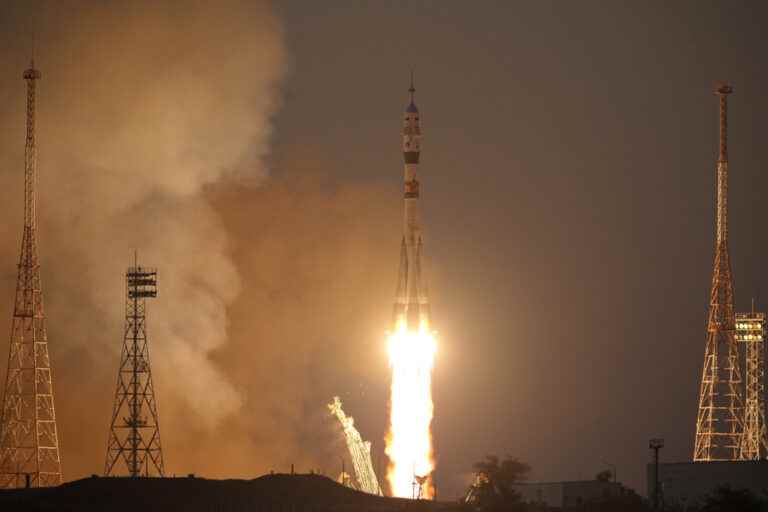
column 750, row 332
column 134, row 433
column 720, row 414
column 29, row 444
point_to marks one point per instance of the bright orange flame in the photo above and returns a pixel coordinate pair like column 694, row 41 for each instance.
column 409, row 440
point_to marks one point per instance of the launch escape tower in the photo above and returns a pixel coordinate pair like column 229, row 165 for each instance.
column 750, row 331
column 720, row 414
column 411, row 302
column 29, row 445
column 134, row 432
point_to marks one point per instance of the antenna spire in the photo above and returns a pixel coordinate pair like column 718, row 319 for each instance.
column 723, row 89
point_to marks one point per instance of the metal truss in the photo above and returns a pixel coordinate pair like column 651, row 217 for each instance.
column 720, row 415
column 134, row 434
column 29, row 443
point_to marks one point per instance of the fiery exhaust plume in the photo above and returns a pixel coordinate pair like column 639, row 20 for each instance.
column 409, row 440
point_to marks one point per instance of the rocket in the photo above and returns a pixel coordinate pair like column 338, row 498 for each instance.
column 411, row 303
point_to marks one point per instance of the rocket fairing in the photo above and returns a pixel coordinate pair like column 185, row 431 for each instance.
column 411, row 302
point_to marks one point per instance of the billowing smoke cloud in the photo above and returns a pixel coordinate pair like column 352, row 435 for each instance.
column 274, row 291
column 142, row 105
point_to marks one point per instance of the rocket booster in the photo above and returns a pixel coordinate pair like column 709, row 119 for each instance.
column 411, row 302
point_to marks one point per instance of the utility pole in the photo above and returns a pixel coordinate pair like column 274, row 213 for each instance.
column 656, row 445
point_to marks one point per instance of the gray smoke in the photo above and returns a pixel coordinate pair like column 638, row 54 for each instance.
column 142, row 105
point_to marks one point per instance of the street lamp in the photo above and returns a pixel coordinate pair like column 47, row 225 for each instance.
column 656, row 444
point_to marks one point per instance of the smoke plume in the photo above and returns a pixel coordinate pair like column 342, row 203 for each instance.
column 141, row 106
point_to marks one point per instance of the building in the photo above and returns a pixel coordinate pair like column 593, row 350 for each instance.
column 687, row 483
column 568, row 494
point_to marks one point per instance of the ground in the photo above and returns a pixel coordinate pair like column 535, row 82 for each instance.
column 269, row 493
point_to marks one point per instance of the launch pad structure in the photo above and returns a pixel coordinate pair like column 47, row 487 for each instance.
column 134, row 433
column 29, row 443
column 359, row 450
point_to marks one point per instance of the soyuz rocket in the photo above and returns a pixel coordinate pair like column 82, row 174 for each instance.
column 411, row 303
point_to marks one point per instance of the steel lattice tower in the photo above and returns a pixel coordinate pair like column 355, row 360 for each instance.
column 750, row 331
column 134, row 432
column 719, row 419
column 29, row 444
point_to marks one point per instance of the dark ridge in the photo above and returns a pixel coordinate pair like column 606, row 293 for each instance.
column 269, row 493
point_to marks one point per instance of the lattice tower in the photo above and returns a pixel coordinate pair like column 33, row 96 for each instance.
column 719, row 418
column 134, row 432
column 29, row 443
column 750, row 332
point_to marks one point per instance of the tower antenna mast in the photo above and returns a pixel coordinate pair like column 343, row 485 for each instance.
column 29, row 443
column 719, row 422
column 134, row 432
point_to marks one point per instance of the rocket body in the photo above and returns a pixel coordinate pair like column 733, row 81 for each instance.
column 411, row 302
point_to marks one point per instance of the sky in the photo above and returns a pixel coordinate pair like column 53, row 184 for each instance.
column 251, row 151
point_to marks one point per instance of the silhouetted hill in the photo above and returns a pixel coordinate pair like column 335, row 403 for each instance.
column 269, row 493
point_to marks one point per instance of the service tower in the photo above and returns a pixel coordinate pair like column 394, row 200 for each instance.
column 720, row 415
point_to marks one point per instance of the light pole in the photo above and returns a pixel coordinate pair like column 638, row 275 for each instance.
column 656, row 444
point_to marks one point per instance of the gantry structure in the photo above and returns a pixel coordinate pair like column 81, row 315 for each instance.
column 134, row 447
column 750, row 332
column 29, row 442
column 359, row 450
column 720, row 414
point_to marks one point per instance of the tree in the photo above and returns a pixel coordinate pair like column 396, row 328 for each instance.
column 604, row 476
column 494, row 490
column 503, row 475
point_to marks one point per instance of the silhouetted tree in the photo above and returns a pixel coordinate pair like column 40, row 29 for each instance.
column 495, row 492
column 604, row 476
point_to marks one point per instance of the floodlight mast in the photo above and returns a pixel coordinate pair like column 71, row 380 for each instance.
column 134, row 437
